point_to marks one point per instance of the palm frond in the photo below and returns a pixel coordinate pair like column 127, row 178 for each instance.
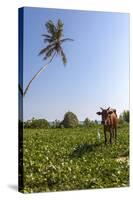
column 47, row 36
column 49, row 53
column 48, row 40
column 64, row 59
column 59, row 34
column 66, row 39
column 50, row 27
column 59, row 30
column 60, row 25
column 44, row 50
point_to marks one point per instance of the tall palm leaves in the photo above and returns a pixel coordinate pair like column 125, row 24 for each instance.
column 54, row 40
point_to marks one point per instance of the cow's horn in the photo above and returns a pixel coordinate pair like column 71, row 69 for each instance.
column 101, row 108
column 108, row 108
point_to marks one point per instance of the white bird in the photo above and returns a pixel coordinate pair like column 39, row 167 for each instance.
column 98, row 135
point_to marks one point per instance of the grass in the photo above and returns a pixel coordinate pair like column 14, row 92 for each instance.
column 73, row 159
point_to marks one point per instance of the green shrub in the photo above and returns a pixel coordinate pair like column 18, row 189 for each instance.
column 36, row 123
column 70, row 120
column 71, row 159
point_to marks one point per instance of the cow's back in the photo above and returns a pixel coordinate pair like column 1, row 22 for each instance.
column 113, row 118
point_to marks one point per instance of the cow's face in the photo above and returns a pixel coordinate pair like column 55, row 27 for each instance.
column 104, row 114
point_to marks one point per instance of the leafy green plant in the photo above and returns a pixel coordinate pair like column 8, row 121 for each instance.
column 72, row 159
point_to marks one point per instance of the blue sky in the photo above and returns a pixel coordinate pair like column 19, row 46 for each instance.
column 97, row 72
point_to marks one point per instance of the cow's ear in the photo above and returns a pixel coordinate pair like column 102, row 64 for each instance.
column 108, row 108
column 98, row 113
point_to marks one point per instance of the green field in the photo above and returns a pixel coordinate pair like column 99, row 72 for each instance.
column 73, row 158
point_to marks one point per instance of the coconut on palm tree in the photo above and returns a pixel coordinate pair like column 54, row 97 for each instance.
column 54, row 38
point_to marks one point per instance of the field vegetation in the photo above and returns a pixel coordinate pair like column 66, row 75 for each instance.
column 61, row 159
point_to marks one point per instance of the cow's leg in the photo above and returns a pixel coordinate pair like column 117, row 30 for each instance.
column 105, row 136
column 115, row 129
column 111, row 134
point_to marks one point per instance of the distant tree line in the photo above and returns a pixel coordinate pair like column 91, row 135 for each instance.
column 124, row 117
column 36, row 123
column 70, row 121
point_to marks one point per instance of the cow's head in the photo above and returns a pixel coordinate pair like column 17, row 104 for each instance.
column 104, row 114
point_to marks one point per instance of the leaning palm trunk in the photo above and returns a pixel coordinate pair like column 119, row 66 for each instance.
column 37, row 74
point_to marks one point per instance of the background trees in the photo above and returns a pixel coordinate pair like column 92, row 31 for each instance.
column 36, row 123
column 86, row 122
column 124, row 116
column 71, row 121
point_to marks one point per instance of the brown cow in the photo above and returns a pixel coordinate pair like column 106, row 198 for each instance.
column 109, row 121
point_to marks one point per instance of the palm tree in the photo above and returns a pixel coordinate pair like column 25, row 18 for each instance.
column 54, row 38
